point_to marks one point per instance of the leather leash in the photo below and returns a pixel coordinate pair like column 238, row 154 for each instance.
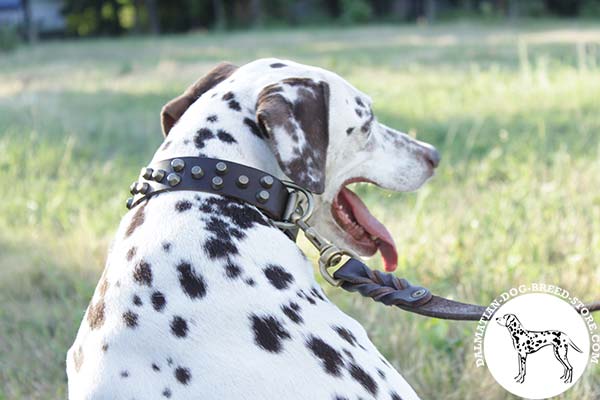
column 290, row 206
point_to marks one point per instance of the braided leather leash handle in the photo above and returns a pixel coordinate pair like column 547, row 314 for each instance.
column 393, row 291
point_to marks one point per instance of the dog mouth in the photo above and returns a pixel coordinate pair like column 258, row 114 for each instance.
column 366, row 232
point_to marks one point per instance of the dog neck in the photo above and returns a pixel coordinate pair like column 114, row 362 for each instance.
column 211, row 127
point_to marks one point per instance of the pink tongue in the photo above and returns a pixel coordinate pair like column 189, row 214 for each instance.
column 385, row 243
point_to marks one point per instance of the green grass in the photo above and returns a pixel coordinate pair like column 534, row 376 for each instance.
column 513, row 110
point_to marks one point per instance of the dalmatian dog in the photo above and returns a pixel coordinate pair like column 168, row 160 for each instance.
column 202, row 297
column 527, row 342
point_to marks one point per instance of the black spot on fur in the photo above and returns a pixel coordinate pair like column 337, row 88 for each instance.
column 192, row 283
column 219, row 248
column 278, row 277
column 166, row 145
column 136, row 221
column 179, row 326
column 131, row 253
column 358, row 112
column 232, row 270
column 105, row 347
column 136, row 300
column 234, row 105
column 130, row 318
column 95, row 315
column 395, row 396
column 183, row 205
column 250, row 282
column 201, row 136
column 183, row 375
column 292, row 311
column 142, row 273
column 359, row 102
column 254, row 128
column 155, row 367
column 345, row 334
column 228, row 96
column 349, row 130
column 381, row 373
column 308, row 298
column 225, row 136
column 124, row 374
column 348, row 354
column 268, row 333
column 167, row 393
column 317, row 294
column 362, row 377
column 331, row 359
column 158, row 301
column 166, row 247
column 277, row 65
column 212, row 118
column 367, row 125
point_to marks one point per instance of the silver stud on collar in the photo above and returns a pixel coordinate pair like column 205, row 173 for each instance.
column 142, row 187
column 221, row 168
column 262, row 196
column 177, row 164
column 159, row 175
column 242, row 181
column 133, row 188
column 217, row 183
column 197, row 172
column 266, row 181
column 173, row 179
column 146, row 173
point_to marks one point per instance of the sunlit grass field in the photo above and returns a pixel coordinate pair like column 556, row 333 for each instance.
column 514, row 110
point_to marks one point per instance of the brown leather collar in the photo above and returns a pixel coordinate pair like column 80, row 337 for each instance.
column 211, row 175
column 271, row 196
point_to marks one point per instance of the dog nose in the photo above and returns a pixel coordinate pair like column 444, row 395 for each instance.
column 432, row 156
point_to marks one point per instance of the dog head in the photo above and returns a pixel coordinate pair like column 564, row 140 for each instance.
column 508, row 320
column 324, row 136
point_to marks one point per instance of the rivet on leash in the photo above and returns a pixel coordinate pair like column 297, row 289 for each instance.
column 158, row 175
column 173, row 179
column 262, row 196
column 217, row 183
column 129, row 203
column 146, row 173
column 266, row 181
column 242, row 181
column 197, row 172
column 221, row 168
column 417, row 293
column 177, row 164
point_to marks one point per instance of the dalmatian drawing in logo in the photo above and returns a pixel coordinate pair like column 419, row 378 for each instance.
column 528, row 342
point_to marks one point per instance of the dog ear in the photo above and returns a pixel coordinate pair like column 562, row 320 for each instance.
column 174, row 109
column 294, row 117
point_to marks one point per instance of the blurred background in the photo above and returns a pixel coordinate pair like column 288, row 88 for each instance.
column 508, row 91
column 33, row 19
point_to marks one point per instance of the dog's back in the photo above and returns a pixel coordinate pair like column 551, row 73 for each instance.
column 245, row 320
